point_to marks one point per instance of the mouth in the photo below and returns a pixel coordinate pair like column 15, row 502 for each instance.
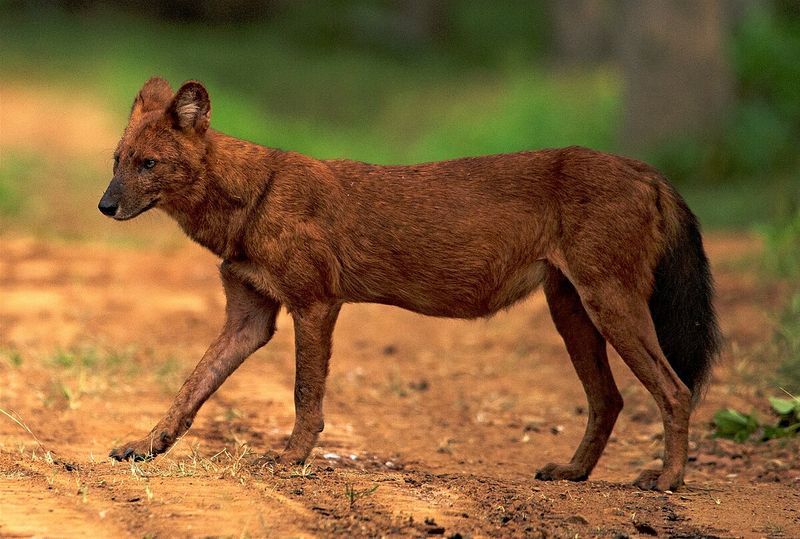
column 140, row 211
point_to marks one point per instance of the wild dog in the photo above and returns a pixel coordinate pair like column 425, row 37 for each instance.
column 617, row 250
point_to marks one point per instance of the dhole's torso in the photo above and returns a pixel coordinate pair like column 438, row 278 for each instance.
column 460, row 238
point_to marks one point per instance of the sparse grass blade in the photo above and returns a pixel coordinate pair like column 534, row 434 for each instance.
column 15, row 417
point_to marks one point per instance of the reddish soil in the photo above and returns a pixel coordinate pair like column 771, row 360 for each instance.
column 435, row 427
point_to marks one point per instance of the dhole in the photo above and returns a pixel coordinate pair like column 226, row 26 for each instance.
column 616, row 249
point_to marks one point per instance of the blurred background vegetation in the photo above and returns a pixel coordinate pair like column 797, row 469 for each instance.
column 707, row 91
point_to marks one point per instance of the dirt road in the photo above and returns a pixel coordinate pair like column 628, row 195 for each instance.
column 433, row 427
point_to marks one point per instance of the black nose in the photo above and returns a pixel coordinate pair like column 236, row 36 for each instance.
column 108, row 208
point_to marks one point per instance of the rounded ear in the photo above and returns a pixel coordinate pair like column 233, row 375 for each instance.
column 154, row 95
column 190, row 109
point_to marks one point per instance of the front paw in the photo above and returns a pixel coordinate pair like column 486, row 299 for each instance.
column 554, row 472
column 144, row 449
column 127, row 452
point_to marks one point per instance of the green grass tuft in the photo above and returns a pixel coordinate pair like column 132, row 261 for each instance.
column 12, row 357
column 16, row 172
column 782, row 241
column 787, row 336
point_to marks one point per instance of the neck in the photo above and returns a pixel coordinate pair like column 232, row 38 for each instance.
column 230, row 180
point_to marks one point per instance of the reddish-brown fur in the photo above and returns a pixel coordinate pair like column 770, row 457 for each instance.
column 461, row 238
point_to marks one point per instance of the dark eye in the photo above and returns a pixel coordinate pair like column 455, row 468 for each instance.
column 116, row 160
column 148, row 163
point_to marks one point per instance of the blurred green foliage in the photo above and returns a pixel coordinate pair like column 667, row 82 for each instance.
column 740, row 427
column 283, row 84
column 471, row 33
column 346, row 79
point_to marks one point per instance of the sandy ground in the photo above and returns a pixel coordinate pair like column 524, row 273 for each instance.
column 434, row 427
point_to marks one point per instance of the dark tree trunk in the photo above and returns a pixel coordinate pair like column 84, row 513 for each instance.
column 676, row 74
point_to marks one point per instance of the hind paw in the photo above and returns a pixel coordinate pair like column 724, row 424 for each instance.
column 553, row 472
column 657, row 480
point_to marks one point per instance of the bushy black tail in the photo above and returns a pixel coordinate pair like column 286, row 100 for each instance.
column 682, row 301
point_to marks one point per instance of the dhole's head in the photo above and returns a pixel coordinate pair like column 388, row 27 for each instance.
column 161, row 151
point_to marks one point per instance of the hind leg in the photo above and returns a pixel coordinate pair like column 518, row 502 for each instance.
column 623, row 318
column 587, row 349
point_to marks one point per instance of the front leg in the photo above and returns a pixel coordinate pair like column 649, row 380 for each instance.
column 249, row 325
column 313, row 330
